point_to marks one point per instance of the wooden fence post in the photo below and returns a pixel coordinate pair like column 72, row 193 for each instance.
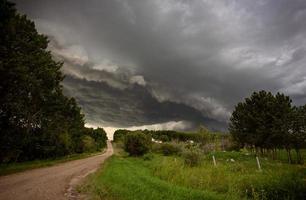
column 258, row 163
column 214, row 160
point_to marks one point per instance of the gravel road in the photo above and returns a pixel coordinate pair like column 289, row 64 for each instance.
column 54, row 183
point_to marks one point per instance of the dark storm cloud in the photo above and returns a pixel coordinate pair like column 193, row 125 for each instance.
column 114, row 97
column 133, row 106
column 199, row 55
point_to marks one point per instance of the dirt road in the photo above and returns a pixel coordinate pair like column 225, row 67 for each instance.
column 56, row 182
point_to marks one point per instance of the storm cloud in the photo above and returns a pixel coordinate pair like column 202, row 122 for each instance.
column 142, row 62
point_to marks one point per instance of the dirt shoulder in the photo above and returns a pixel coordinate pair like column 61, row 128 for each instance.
column 56, row 182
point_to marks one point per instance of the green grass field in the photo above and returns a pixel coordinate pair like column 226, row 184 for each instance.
column 167, row 177
column 131, row 178
column 10, row 168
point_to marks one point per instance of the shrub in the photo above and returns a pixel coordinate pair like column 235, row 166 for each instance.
column 287, row 186
column 100, row 137
column 120, row 134
column 164, row 138
column 88, row 144
column 170, row 149
column 137, row 143
column 64, row 144
column 192, row 158
column 148, row 156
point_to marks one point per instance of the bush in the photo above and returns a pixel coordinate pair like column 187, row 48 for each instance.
column 148, row 156
column 170, row 149
column 156, row 147
column 287, row 186
column 120, row 134
column 192, row 158
column 137, row 143
column 164, row 138
column 100, row 137
column 88, row 144
column 64, row 144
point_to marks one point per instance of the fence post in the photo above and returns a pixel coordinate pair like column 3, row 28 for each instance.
column 214, row 160
column 258, row 163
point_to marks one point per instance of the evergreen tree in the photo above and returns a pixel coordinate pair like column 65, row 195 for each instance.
column 36, row 119
column 263, row 121
column 297, row 132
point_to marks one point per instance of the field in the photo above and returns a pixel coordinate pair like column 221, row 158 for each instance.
column 236, row 176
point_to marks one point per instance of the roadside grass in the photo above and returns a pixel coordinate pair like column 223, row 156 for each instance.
column 131, row 179
column 155, row 177
column 11, row 168
column 282, row 155
column 236, row 178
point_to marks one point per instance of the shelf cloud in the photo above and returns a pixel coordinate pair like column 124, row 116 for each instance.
column 140, row 62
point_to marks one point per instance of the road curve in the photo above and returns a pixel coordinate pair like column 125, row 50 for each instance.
column 56, row 182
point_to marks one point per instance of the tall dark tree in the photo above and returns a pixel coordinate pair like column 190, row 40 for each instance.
column 281, row 124
column 297, row 133
column 28, row 78
column 36, row 119
column 263, row 121
column 251, row 121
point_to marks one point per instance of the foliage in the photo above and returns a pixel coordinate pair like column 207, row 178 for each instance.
column 192, row 158
column 172, row 142
column 266, row 121
column 88, row 143
column 297, row 135
column 98, row 135
column 167, row 177
column 209, row 140
column 137, row 143
column 120, row 134
column 170, row 149
column 148, row 156
column 36, row 120
column 237, row 180
column 169, row 135
column 161, row 135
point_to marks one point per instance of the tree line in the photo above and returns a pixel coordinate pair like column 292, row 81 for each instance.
column 208, row 140
column 160, row 135
column 268, row 123
column 36, row 119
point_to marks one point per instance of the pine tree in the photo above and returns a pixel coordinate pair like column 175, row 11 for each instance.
column 36, row 119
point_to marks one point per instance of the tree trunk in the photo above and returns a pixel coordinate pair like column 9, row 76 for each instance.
column 256, row 150
column 289, row 156
column 298, row 156
column 274, row 154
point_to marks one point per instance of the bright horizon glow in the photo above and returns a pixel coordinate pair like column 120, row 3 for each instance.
column 172, row 125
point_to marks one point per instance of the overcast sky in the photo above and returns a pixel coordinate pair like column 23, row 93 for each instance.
column 176, row 63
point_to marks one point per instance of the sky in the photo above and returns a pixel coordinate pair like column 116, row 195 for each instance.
column 173, row 64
